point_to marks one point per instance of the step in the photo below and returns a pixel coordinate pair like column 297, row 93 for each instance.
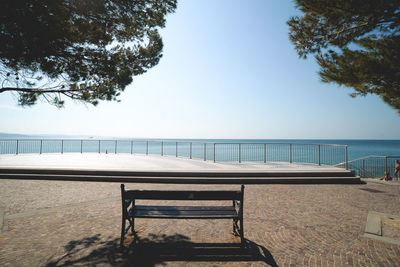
column 197, row 173
column 187, row 180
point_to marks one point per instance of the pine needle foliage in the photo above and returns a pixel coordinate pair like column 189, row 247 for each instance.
column 355, row 42
column 86, row 50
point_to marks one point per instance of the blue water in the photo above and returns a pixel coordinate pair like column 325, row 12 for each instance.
column 356, row 148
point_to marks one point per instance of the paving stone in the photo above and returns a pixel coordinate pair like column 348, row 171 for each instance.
column 373, row 225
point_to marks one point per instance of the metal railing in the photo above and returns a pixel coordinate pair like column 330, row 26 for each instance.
column 372, row 166
column 321, row 154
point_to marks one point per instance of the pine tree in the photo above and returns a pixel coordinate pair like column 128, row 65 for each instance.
column 355, row 42
column 87, row 50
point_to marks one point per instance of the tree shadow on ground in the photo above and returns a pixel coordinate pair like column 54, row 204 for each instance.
column 158, row 249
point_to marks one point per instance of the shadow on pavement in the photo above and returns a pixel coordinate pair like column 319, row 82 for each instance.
column 158, row 249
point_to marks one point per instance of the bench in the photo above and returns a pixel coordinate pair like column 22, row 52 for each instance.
column 130, row 210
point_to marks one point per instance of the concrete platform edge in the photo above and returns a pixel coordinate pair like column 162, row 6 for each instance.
column 188, row 180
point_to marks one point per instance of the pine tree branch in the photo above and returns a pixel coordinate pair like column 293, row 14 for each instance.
column 344, row 29
column 34, row 90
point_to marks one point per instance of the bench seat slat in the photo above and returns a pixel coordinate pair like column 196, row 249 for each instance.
column 180, row 216
column 183, row 215
column 184, row 212
column 182, row 195
column 217, row 208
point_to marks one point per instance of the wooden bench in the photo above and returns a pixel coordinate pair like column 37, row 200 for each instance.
column 130, row 210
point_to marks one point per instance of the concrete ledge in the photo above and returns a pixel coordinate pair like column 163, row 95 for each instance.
column 183, row 173
column 159, row 169
column 186, row 180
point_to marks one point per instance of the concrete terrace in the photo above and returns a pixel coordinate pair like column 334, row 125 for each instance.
column 136, row 162
column 169, row 169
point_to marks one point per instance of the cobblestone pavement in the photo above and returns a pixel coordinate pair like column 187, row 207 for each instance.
column 56, row 223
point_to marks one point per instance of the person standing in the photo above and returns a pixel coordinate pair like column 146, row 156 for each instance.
column 397, row 169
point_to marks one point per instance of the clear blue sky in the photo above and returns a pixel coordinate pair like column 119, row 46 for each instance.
column 228, row 71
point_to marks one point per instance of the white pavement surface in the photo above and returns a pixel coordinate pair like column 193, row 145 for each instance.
column 127, row 162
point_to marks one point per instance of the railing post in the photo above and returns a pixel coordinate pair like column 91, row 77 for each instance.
column 290, row 156
column 81, row 145
column 41, row 141
column 363, row 169
column 265, row 153
column 319, row 154
column 162, row 148
column 147, row 147
column 62, row 146
column 99, row 147
column 116, row 145
column 347, row 159
column 176, row 149
column 240, row 154
column 205, row 152
column 16, row 152
column 386, row 169
column 131, row 147
column 190, row 150
column 214, row 152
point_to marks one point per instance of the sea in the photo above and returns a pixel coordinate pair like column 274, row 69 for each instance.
column 357, row 148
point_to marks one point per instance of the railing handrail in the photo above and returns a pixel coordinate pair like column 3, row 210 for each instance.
column 276, row 143
column 372, row 166
column 162, row 140
column 371, row 156
column 364, row 158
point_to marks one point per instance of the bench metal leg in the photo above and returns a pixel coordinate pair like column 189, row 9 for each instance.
column 236, row 230
column 241, row 216
column 122, row 232
column 123, row 215
column 241, row 231
column 131, row 217
column 132, row 224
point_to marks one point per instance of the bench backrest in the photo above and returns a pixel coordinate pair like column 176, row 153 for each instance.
column 182, row 195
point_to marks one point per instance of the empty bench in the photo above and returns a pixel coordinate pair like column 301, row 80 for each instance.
column 130, row 210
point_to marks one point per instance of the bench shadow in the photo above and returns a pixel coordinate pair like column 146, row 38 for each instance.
column 158, row 249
